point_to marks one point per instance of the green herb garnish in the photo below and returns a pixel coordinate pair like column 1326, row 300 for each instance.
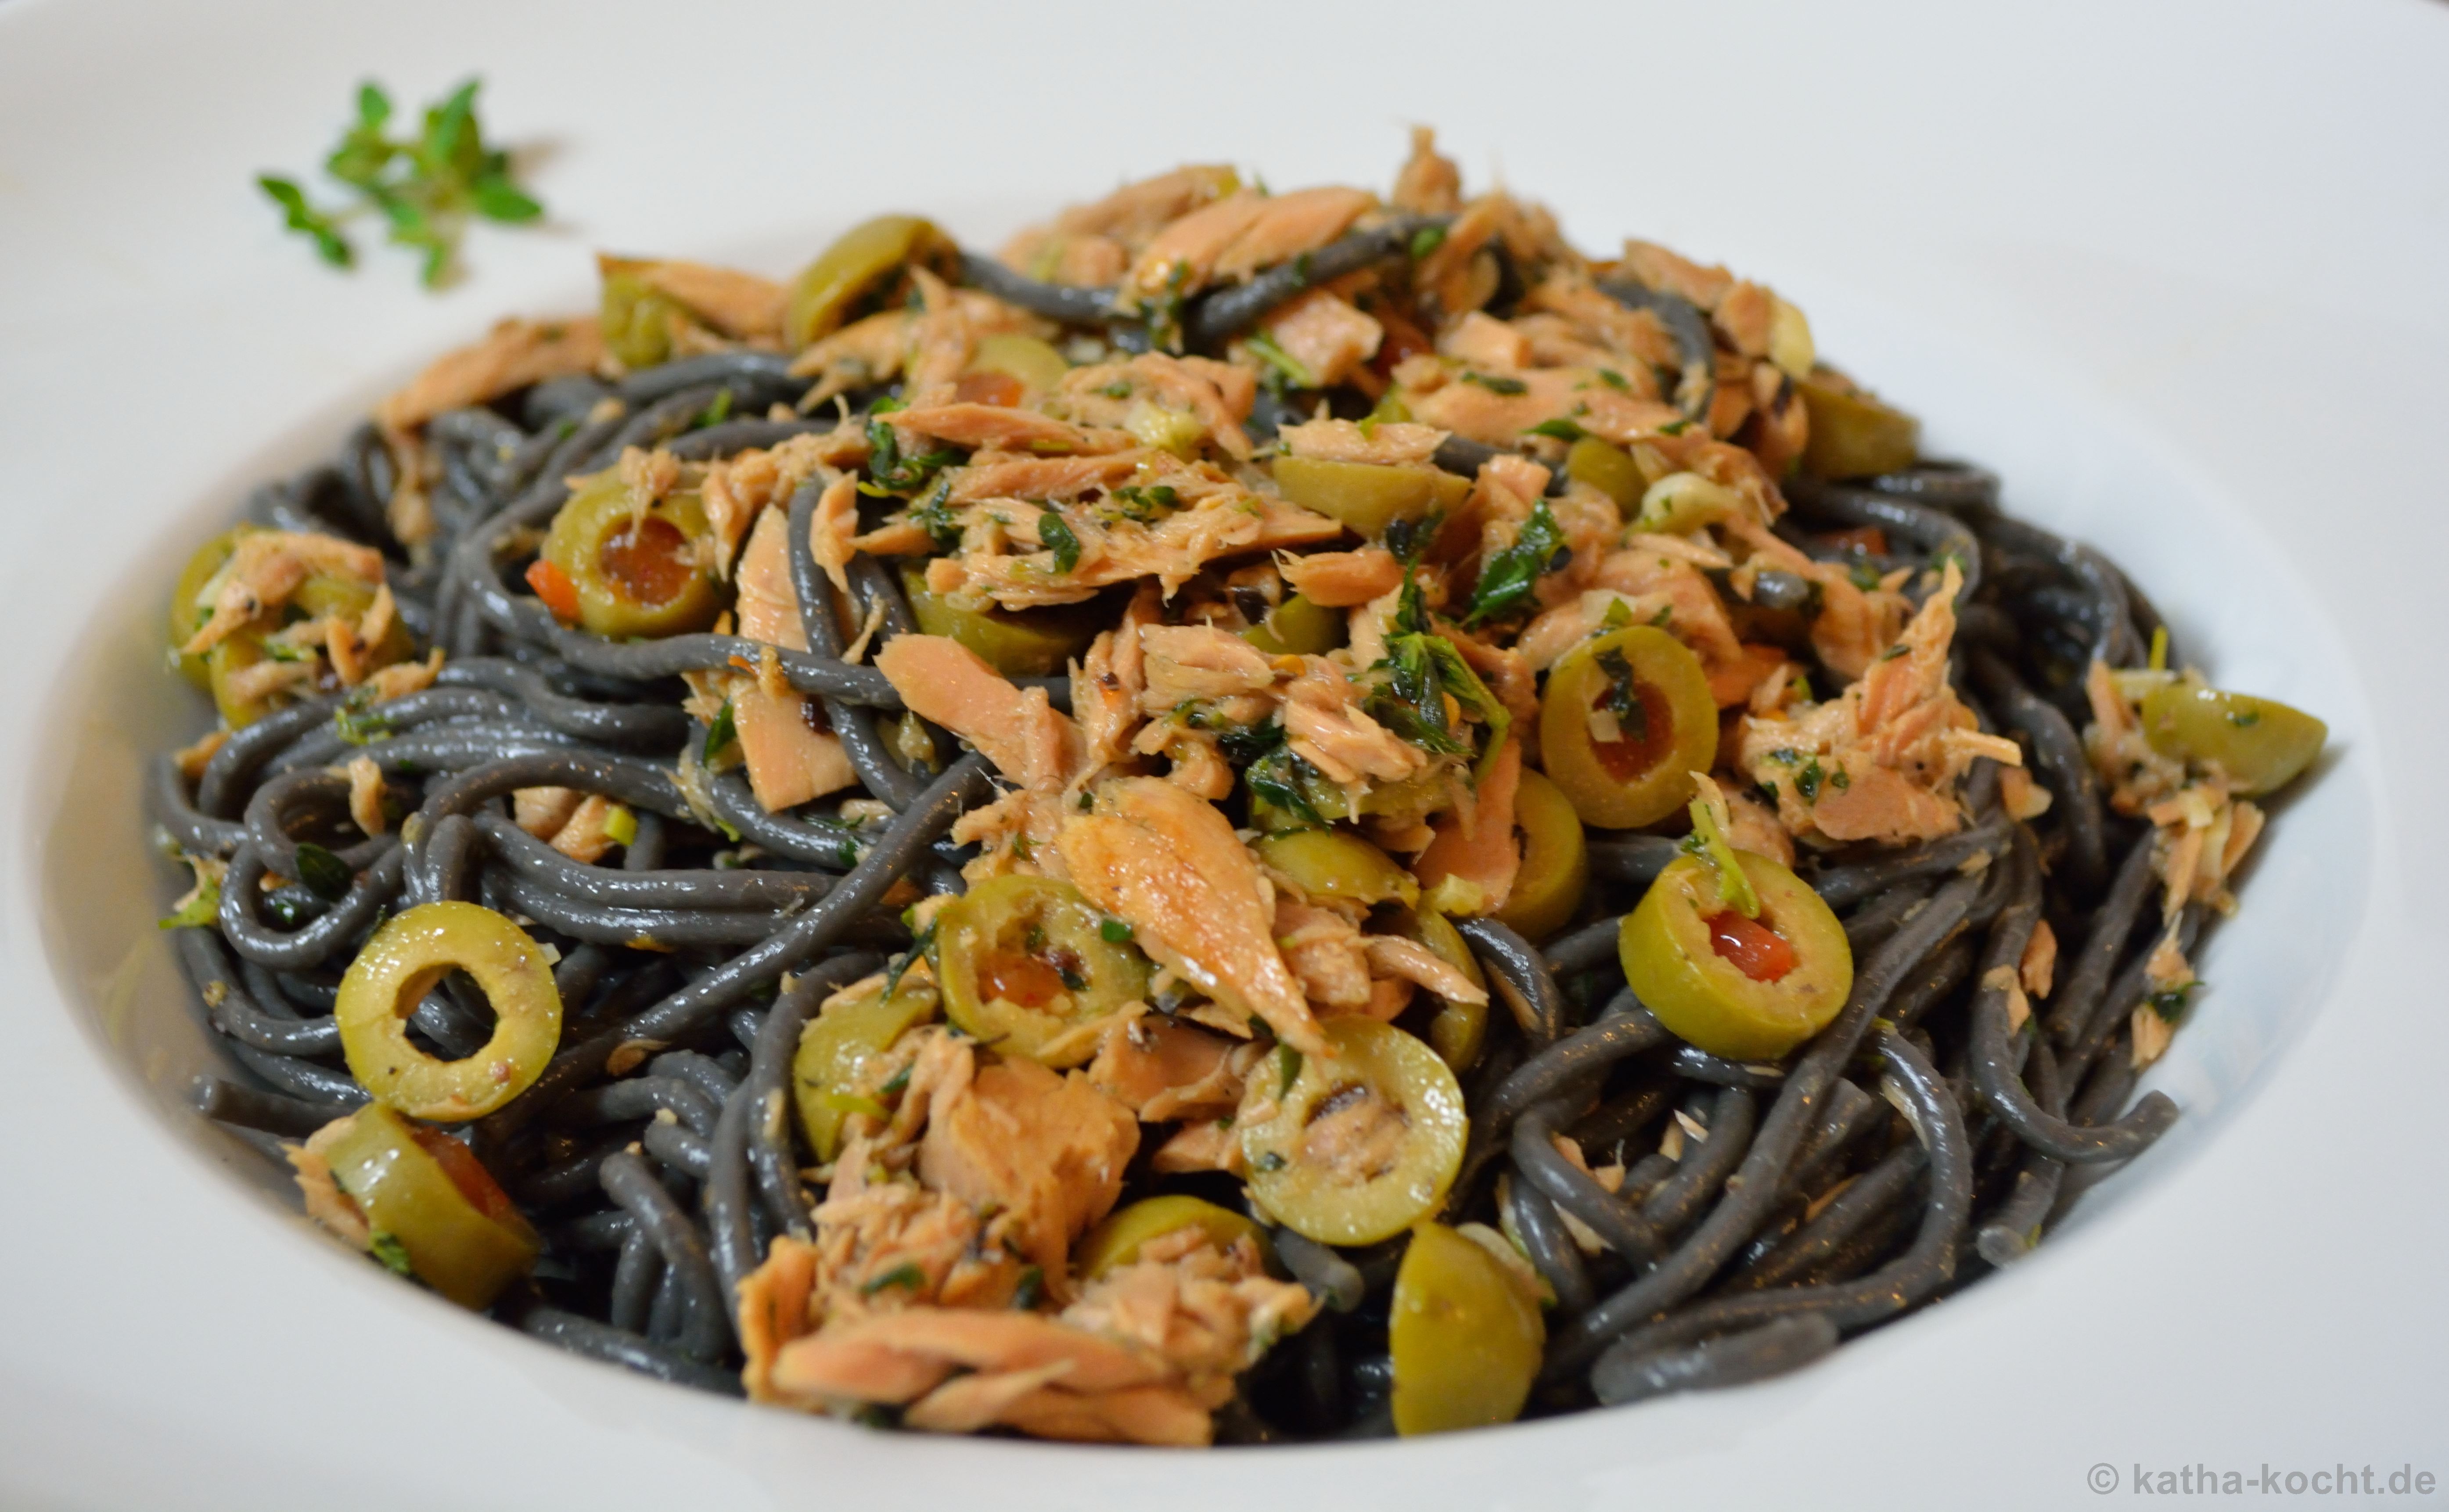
column 907, row 1275
column 426, row 186
column 1425, row 240
column 1057, row 537
column 723, row 731
column 326, row 875
column 394, row 1254
column 1506, row 583
column 1497, row 383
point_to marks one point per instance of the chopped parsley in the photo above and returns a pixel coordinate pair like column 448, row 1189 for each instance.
column 936, row 518
column 719, row 735
column 1146, row 503
column 1033, row 1286
column 716, row 412
column 1425, row 240
column 1056, row 536
column 325, row 875
column 1507, row 581
column 1115, row 931
column 1808, row 780
column 356, row 722
column 1615, row 380
column 906, row 1275
column 1560, row 429
column 1283, row 367
column 1496, row 383
column 1624, row 697
column 889, row 470
column 394, row 1254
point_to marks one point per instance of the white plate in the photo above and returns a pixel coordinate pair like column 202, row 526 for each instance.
column 2175, row 271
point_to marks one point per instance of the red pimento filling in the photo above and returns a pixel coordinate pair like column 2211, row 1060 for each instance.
column 466, row 1172
column 1755, row 950
column 1023, row 980
column 988, row 387
column 1647, row 741
column 649, row 562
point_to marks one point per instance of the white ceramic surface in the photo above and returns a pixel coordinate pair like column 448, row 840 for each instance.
column 2175, row 273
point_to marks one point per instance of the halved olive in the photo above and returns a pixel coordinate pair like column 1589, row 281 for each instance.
column 1465, row 1336
column 636, row 317
column 404, row 959
column 853, row 1029
column 425, row 1192
column 2259, row 743
column 1330, row 864
column 1298, row 627
column 1117, row 1240
column 1555, row 863
column 188, row 608
column 1652, row 686
column 1033, row 364
column 1024, row 965
column 1609, row 468
column 635, row 577
column 1744, row 988
column 862, row 258
column 1852, row 434
column 230, row 656
column 1369, row 496
column 1021, row 642
column 1362, row 1143
column 1458, row 1031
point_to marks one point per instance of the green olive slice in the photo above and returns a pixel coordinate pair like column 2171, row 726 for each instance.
column 1298, row 627
column 1118, row 1239
column 648, row 576
column 2259, row 744
column 1555, row 861
column 1458, row 1031
column 1852, row 434
column 1465, row 1336
column 1369, row 496
column 1666, row 724
column 1748, row 989
column 1016, row 642
column 1362, row 1143
column 858, row 260
column 399, row 964
column 853, row 1029
column 1609, row 468
column 1331, row 864
column 427, row 1192
column 189, row 611
column 1026, row 964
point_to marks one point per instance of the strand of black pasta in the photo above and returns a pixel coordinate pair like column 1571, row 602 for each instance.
column 1929, row 1262
column 1754, row 1186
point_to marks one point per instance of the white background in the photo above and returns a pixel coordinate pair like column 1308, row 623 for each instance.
column 2227, row 224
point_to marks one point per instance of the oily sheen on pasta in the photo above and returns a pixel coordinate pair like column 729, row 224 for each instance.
column 1260, row 816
